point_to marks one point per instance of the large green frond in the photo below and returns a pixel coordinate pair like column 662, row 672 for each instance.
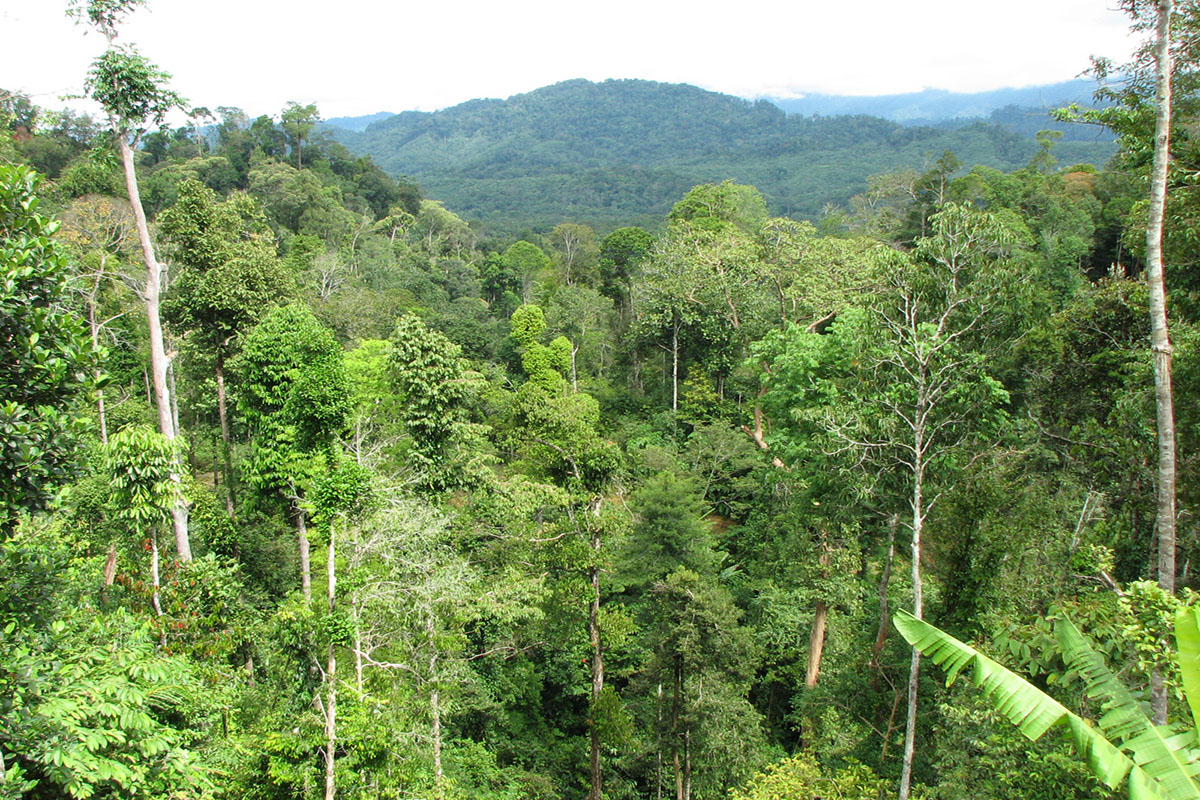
column 1030, row 709
column 1165, row 754
column 1187, row 639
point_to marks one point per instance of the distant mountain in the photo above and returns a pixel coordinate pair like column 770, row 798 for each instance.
column 936, row 105
column 356, row 123
column 621, row 152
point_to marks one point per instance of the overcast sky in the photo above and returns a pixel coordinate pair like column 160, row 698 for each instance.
column 360, row 56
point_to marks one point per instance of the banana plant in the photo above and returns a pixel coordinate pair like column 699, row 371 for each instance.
column 1123, row 746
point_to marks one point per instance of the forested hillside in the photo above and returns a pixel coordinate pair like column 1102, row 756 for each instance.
column 621, row 152
column 307, row 490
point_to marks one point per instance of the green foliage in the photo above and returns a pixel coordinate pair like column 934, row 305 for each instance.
column 801, row 778
column 622, row 152
column 142, row 463
column 439, row 388
column 293, row 395
column 47, row 360
column 229, row 274
column 105, row 15
column 130, row 89
column 715, row 207
column 92, row 707
column 343, row 491
column 1127, row 747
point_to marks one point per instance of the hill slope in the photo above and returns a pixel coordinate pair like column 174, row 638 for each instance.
column 622, row 152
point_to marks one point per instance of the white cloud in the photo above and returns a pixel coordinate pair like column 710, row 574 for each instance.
column 360, row 56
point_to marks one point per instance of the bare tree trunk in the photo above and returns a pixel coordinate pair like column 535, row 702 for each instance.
column 675, row 367
column 597, row 676
column 226, row 437
column 1160, row 342
column 95, row 331
column 331, row 676
column 816, row 644
column 918, row 520
column 658, row 760
column 154, row 581
column 435, row 713
column 158, row 353
column 305, row 552
column 358, row 655
column 816, row 636
column 676, row 701
column 687, row 765
column 174, row 397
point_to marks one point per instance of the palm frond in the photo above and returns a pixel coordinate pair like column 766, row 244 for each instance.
column 1034, row 712
column 1167, row 755
column 1187, row 639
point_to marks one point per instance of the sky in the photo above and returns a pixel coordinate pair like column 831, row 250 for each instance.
column 354, row 57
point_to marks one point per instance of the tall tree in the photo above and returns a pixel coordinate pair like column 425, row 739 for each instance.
column 1160, row 342
column 133, row 93
column 298, row 122
column 229, row 277
column 102, row 231
column 294, row 398
column 901, row 388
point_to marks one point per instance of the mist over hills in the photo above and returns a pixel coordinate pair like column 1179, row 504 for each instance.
column 622, row 151
column 931, row 106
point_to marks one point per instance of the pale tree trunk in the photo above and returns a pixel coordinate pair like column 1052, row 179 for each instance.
column 675, row 367
column 158, row 353
column 174, row 397
column 687, row 764
column 305, row 552
column 918, row 520
column 358, row 653
column 597, row 675
column 154, row 580
column 331, row 677
column 816, row 644
column 95, row 331
column 658, row 759
column 682, row 755
column 1160, row 343
column 226, row 437
column 435, row 712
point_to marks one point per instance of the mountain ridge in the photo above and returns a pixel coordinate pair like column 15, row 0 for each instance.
column 618, row 151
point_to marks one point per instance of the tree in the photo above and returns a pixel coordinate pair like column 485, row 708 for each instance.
column 575, row 246
column 229, row 277
column 294, row 397
column 101, row 230
column 901, row 388
column 141, row 463
column 438, row 388
column 1124, row 746
column 342, row 493
column 133, row 93
column 526, row 262
column 298, row 122
column 1160, row 342
column 48, row 362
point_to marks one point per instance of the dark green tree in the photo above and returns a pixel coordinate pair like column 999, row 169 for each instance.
column 229, row 277
column 294, row 397
column 48, row 360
